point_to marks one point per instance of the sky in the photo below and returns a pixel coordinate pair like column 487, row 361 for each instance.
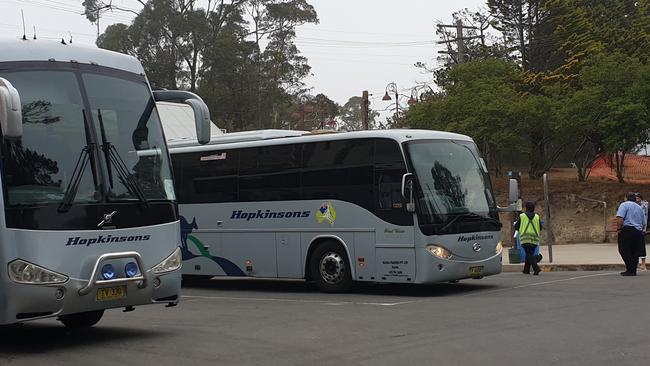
column 358, row 44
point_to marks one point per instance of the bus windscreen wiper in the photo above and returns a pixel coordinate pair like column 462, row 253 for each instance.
column 113, row 159
column 470, row 215
column 77, row 175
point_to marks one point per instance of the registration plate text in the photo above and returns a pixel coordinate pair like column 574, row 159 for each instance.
column 111, row 293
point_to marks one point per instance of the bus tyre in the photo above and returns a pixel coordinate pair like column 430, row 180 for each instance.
column 81, row 320
column 330, row 268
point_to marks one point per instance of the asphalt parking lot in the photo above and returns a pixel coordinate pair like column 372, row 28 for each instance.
column 558, row 318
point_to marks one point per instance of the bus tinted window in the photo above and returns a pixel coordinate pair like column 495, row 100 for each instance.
column 339, row 170
column 365, row 172
column 389, row 168
column 269, row 173
column 206, row 176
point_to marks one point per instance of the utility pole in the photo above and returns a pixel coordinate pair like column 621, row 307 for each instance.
column 460, row 40
column 365, row 110
column 460, row 45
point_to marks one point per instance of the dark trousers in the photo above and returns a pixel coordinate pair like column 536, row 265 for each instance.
column 530, row 258
column 629, row 241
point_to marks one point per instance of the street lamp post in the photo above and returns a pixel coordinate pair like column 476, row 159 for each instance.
column 415, row 98
column 392, row 87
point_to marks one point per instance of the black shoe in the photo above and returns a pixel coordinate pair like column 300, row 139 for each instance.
column 536, row 273
column 628, row 274
column 524, row 272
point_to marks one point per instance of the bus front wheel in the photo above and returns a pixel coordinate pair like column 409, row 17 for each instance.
column 330, row 268
column 81, row 320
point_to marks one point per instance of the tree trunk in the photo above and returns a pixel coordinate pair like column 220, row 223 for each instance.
column 620, row 166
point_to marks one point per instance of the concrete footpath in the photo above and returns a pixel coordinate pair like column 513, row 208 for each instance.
column 575, row 257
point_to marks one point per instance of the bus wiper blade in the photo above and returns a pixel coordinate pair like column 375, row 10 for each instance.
column 127, row 179
column 468, row 215
column 114, row 159
column 453, row 219
column 77, row 175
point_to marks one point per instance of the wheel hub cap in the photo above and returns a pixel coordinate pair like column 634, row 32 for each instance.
column 332, row 268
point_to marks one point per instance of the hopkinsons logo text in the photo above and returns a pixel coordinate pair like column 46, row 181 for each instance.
column 268, row 214
column 101, row 239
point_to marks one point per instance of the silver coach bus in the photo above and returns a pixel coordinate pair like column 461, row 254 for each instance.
column 88, row 214
column 402, row 206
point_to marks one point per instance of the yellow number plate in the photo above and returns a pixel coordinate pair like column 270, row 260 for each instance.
column 476, row 271
column 111, row 293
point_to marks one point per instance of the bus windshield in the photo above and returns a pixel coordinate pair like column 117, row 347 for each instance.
column 124, row 113
column 453, row 181
column 59, row 107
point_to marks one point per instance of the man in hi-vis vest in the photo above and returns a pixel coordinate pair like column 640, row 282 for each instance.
column 529, row 226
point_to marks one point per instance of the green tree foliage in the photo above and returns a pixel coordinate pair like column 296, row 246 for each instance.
column 350, row 115
column 314, row 112
column 610, row 110
column 587, row 28
column 478, row 101
column 239, row 55
column 573, row 79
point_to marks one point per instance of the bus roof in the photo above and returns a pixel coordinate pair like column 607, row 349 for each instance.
column 281, row 137
column 39, row 50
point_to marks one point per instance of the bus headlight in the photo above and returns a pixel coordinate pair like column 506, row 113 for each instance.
column 27, row 273
column 438, row 251
column 498, row 248
column 171, row 263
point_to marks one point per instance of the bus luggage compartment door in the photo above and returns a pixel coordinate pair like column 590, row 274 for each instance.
column 287, row 247
column 396, row 264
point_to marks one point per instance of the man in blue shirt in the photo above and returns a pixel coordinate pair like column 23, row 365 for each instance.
column 629, row 223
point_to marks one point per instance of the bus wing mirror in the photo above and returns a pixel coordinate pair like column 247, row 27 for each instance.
column 513, row 191
column 11, row 119
column 513, row 197
column 200, row 109
column 408, row 180
column 201, row 120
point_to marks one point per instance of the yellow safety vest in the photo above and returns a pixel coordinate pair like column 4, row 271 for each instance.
column 529, row 230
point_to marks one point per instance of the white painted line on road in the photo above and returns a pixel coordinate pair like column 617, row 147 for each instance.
column 563, row 280
column 331, row 303
column 540, row 283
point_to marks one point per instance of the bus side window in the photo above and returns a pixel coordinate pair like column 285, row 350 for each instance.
column 389, row 168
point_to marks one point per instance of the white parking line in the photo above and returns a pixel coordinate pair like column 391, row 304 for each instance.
column 541, row 283
column 563, row 280
column 331, row 303
column 341, row 303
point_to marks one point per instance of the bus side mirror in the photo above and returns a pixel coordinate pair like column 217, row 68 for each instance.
column 513, row 191
column 408, row 180
column 201, row 120
column 11, row 117
column 200, row 109
column 513, row 197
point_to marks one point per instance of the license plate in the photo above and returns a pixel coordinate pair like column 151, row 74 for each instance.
column 476, row 271
column 111, row 293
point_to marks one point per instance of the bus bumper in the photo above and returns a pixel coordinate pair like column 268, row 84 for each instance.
column 44, row 301
column 433, row 270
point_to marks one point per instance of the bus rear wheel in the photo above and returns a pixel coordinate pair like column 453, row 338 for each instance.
column 330, row 268
column 81, row 320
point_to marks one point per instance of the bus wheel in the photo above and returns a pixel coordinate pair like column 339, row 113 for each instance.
column 81, row 320
column 330, row 268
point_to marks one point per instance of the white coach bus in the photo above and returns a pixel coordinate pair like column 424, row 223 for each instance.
column 88, row 214
column 404, row 206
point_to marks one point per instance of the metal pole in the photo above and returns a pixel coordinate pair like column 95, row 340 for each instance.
column 396, row 104
column 547, row 224
column 604, row 222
